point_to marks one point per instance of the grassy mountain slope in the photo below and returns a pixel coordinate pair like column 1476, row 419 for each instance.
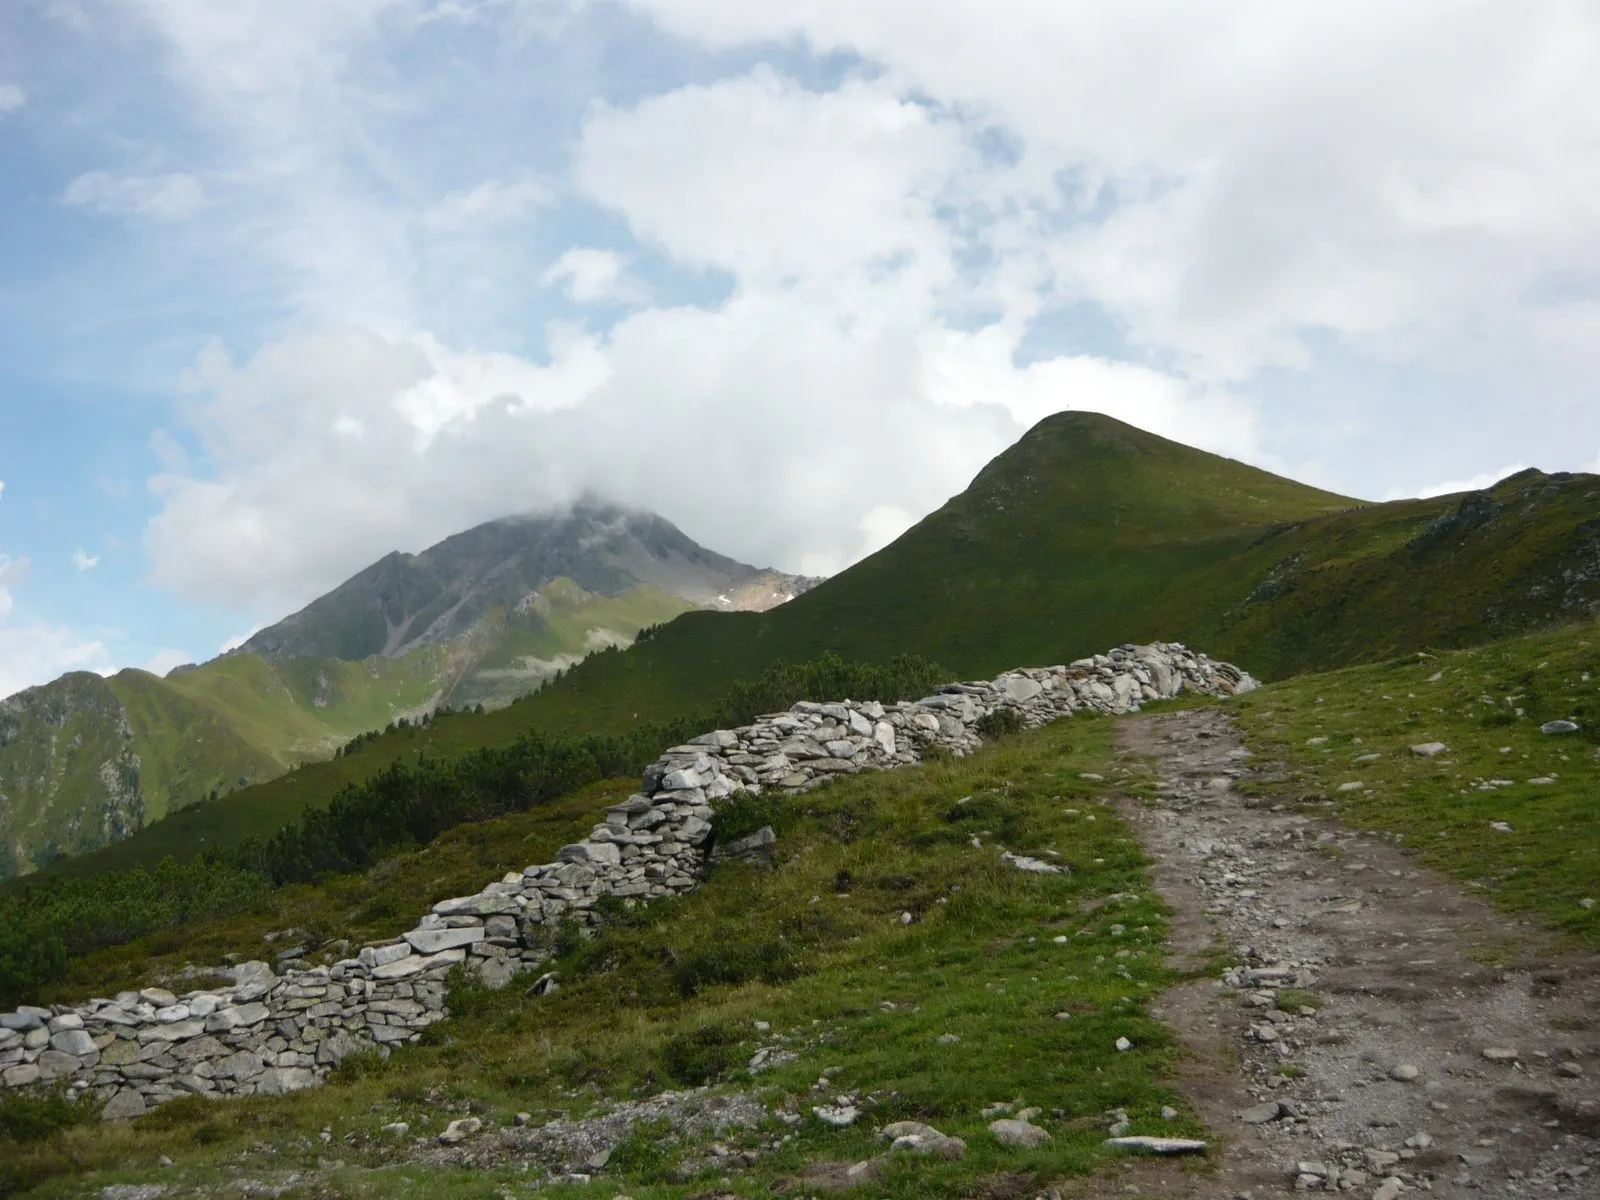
column 814, row 948
column 1087, row 533
column 669, row 997
column 68, row 778
column 93, row 760
column 479, row 619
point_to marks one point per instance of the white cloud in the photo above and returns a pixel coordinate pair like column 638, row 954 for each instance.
column 590, row 276
column 84, row 561
column 839, row 391
column 13, row 572
column 12, row 98
column 158, row 197
column 240, row 639
column 30, row 655
column 163, row 660
column 1240, row 175
column 1449, row 487
column 492, row 202
column 777, row 184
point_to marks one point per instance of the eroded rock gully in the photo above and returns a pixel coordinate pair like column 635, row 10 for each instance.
column 1423, row 1067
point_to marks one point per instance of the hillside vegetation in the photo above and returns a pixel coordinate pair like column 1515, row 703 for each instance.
column 889, row 952
column 52, row 921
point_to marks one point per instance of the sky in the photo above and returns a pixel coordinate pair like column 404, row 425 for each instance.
column 288, row 284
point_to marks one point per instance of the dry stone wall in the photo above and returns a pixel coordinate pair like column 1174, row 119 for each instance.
column 279, row 1030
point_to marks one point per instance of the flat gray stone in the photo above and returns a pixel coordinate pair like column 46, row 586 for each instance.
column 279, row 1081
column 54, row 1065
column 1429, row 749
column 124, row 1106
column 75, row 1042
column 1559, row 727
column 1023, row 1135
column 431, row 941
column 174, row 1032
column 599, row 853
column 1260, row 1114
column 378, row 956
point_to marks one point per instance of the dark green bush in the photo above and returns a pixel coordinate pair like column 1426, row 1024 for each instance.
column 35, row 1116
column 1002, row 722
column 701, row 1056
column 734, row 963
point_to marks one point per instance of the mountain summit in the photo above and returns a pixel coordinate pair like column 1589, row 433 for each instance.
column 404, row 602
column 478, row 619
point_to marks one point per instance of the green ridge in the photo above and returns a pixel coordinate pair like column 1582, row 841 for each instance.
column 1086, row 534
column 92, row 760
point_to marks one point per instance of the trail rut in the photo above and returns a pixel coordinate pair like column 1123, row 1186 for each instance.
column 1440, row 1049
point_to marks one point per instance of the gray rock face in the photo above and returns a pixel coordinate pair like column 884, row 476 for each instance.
column 271, row 1034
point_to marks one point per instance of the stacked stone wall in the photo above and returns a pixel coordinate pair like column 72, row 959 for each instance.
column 278, row 1030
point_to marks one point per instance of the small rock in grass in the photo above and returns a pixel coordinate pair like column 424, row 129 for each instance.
column 1091, row 777
column 840, row 1116
column 1404, row 1073
column 1366, row 758
column 1559, row 727
column 1429, row 749
column 1501, row 827
column 1500, row 1054
column 1124, row 1044
column 1586, row 902
column 1543, row 780
column 396, row 1129
column 1168, row 1113
column 1021, row 1134
column 1066, row 1016
column 459, row 1130
column 1353, row 786
column 917, row 1138
column 522, row 1119
column 948, row 1039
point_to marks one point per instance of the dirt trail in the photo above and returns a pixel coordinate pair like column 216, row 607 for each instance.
column 1397, row 960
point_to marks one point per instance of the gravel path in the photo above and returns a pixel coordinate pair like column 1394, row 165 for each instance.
column 1446, row 1051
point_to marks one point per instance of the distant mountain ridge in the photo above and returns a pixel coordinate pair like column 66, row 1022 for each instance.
column 478, row 619
column 405, row 601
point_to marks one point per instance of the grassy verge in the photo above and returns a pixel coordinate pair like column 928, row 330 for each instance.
column 1512, row 811
column 819, row 948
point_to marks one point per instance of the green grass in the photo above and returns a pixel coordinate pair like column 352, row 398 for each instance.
column 1486, row 705
column 669, row 995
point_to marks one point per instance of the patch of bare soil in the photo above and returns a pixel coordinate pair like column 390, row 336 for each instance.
column 1438, row 1045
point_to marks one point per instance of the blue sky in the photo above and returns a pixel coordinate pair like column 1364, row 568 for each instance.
column 287, row 284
